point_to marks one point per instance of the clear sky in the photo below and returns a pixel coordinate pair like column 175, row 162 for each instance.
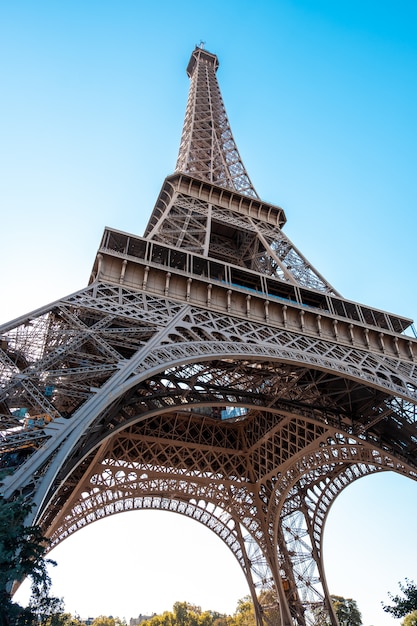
column 322, row 100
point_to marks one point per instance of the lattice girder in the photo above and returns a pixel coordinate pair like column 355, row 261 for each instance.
column 207, row 148
column 183, row 497
column 164, row 364
column 150, row 400
column 239, row 500
column 303, row 495
column 251, row 345
column 189, row 218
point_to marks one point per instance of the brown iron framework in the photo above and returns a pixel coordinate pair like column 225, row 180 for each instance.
column 210, row 370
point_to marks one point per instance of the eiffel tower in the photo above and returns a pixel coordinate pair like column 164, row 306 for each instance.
column 209, row 369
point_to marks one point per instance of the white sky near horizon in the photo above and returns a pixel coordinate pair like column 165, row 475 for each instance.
column 322, row 101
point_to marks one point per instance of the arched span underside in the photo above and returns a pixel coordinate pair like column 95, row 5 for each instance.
column 231, row 379
column 227, row 379
column 200, row 387
column 363, row 368
column 295, row 507
column 101, row 502
column 84, row 334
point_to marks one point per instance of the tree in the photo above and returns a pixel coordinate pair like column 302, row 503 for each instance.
column 183, row 614
column 347, row 611
column 48, row 610
column 180, row 610
column 403, row 605
column 410, row 619
column 245, row 613
column 62, row 619
column 22, row 553
column 102, row 620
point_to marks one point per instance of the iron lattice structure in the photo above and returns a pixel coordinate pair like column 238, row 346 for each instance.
column 210, row 370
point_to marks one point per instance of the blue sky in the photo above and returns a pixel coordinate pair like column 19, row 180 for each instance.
column 321, row 97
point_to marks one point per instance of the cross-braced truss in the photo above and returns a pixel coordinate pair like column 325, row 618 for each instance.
column 208, row 150
column 215, row 226
column 209, row 370
column 116, row 399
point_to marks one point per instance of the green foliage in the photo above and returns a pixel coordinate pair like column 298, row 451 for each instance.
column 185, row 614
column 62, row 619
column 245, row 614
column 102, row 620
column 410, row 619
column 22, row 548
column 347, row 611
column 166, row 619
column 403, row 604
column 66, row 619
column 22, row 554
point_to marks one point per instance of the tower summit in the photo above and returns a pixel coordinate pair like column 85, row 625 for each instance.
column 208, row 150
column 208, row 369
column 240, row 230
